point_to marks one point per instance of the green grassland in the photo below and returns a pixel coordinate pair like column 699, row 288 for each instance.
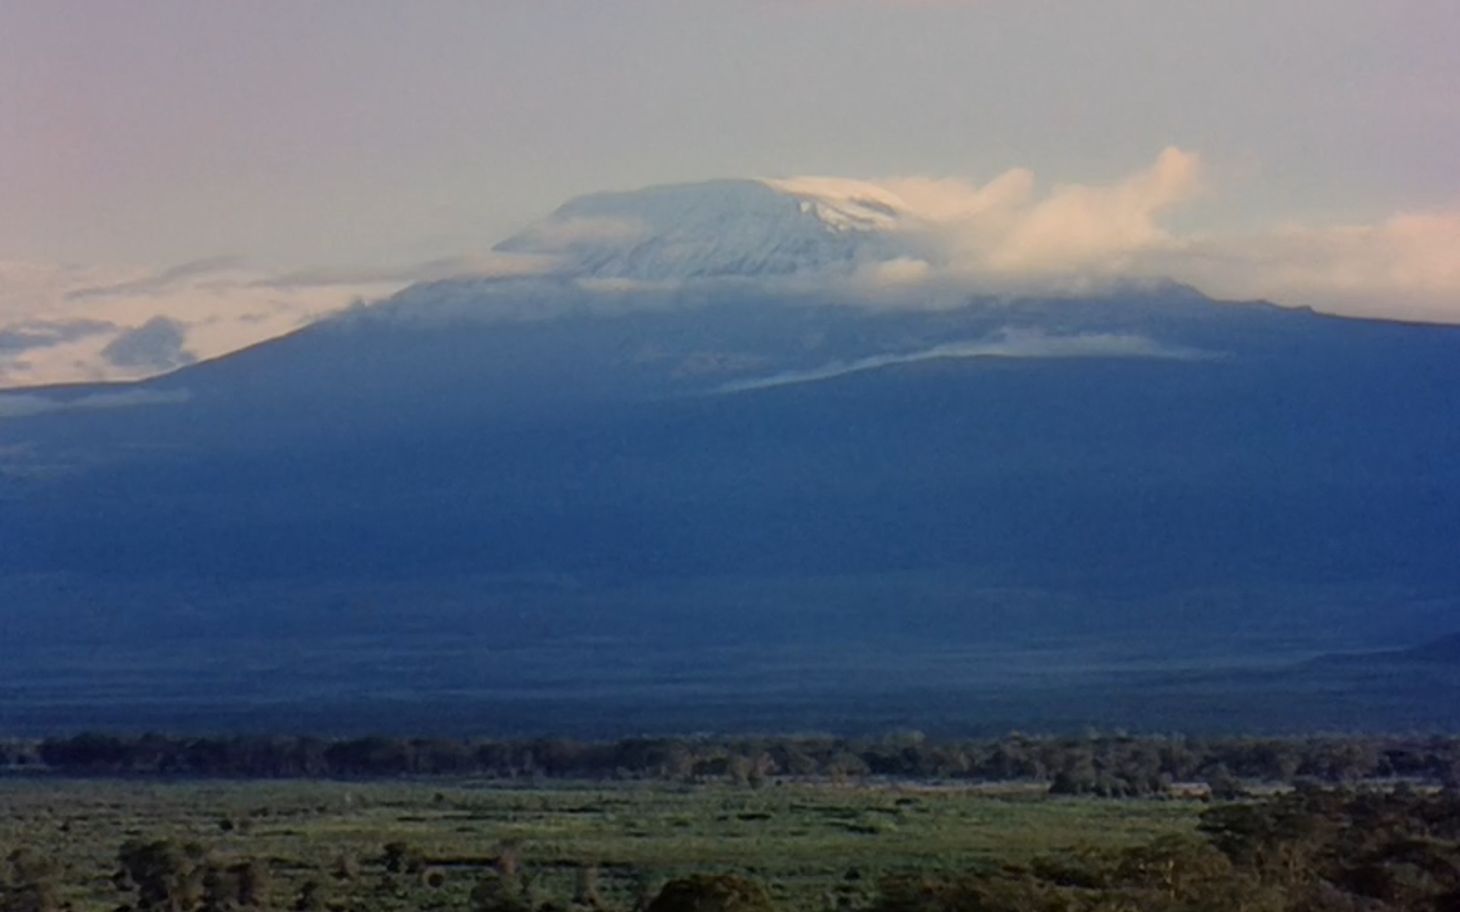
column 816, row 845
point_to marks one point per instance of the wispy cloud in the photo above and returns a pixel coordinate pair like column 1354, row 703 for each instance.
column 158, row 281
column 1008, row 344
column 428, row 271
column 24, row 405
column 23, row 337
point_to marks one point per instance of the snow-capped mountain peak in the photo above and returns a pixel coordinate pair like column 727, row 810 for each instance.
column 749, row 228
column 846, row 205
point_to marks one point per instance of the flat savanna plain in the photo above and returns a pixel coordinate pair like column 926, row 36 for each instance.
column 816, row 845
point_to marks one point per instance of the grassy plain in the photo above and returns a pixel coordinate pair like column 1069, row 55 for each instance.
column 816, row 845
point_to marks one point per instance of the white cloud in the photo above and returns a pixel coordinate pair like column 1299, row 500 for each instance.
column 1008, row 236
column 1080, row 227
column 1405, row 267
column 1007, row 344
column 951, row 201
column 846, row 205
column 1005, row 228
column 897, row 271
column 64, row 324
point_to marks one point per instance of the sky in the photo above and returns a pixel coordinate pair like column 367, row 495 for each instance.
column 209, row 173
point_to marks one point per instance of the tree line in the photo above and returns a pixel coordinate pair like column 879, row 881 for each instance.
column 1100, row 764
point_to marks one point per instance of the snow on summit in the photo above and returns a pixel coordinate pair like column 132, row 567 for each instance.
column 843, row 204
column 744, row 228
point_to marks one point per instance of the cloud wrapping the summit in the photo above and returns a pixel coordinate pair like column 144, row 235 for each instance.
column 1009, row 235
column 1007, row 229
column 1097, row 227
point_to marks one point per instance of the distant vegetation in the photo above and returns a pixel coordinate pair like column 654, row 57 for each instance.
column 342, row 847
column 1304, row 852
column 1104, row 765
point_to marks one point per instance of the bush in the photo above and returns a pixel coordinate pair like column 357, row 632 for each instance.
column 712, row 893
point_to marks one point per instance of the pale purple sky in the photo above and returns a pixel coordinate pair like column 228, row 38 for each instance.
column 165, row 130
column 360, row 133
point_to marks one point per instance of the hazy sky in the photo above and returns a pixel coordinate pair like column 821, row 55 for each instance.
column 308, row 135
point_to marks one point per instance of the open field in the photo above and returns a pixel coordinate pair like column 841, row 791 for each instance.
column 815, row 845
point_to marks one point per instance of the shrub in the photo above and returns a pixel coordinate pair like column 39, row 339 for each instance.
column 712, row 893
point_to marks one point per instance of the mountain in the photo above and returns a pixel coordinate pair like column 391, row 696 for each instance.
column 698, row 474
column 721, row 228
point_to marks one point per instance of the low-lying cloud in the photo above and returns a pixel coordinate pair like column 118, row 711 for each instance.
column 157, row 281
column 1008, row 344
column 22, row 337
column 1404, row 267
column 66, row 324
column 1008, row 229
column 1009, row 235
column 24, row 405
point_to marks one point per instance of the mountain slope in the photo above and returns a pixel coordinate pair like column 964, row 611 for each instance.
column 485, row 471
column 766, row 434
